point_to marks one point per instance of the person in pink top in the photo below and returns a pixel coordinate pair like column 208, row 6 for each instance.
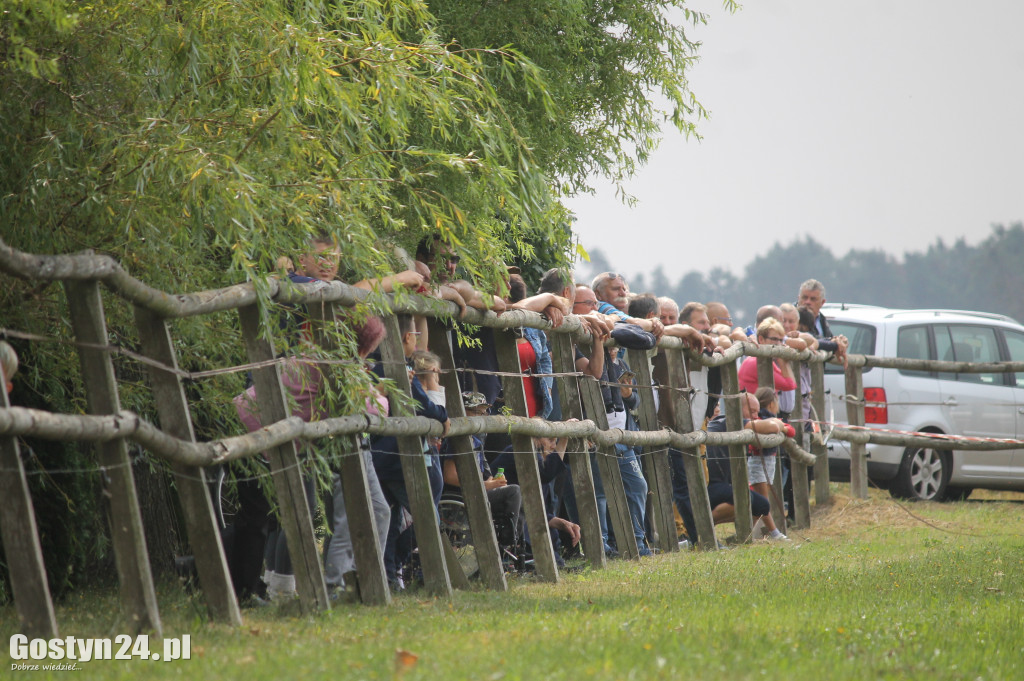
column 769, row 332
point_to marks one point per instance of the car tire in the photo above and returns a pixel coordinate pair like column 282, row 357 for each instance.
column 923, row 475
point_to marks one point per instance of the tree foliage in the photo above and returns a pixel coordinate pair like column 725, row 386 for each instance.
column 243, row 128
column 196, row 142
column 604, row 62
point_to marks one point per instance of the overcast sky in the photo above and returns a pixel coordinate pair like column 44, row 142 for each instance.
column 870, row 124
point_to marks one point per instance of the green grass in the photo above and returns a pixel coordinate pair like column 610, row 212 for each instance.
column 872, row 592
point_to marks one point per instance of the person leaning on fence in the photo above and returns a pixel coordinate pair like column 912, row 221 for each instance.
column 761, row 461
column 696, row 315
column 340, row 569
column 476, row 362
column 559, row 283
column 504, row 499
column 812, row 296
column 256, row 537
column 608, row 368
column 620, row 399
column 763, row 313
column 437, row 257
column 551, row 463
column 477, row 366
column 427, row 367
column 719, row 473
column 769, row 332
column 721, row 323
column 613, row 298
column 598, row 325
column 386, row 457
column 534, row 351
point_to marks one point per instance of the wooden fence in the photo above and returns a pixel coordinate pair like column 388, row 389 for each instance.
column 110, row 429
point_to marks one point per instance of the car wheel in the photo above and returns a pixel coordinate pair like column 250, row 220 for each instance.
column 923, row 475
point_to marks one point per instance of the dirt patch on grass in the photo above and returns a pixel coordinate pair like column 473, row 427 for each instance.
column 845, row 515
column 996, row 495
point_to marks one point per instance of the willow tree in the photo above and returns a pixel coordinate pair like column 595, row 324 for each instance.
column 196, row 142
column 615, row 72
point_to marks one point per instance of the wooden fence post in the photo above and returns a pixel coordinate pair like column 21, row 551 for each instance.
column 577, row 454
column 737, row 453
column 526, row 460
column 20, row 537
column 362, row 525
column 798, row 471
column 478, row 509
column 414, row 471
column 766, row 377
column 138, row 597
column 855, row 417
column 822, row 494
column 619, row 519
column 175, row 419
column 654, row 463
column 670, row 368
column 285, row 467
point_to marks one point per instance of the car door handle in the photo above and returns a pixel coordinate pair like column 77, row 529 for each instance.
column 950, row 402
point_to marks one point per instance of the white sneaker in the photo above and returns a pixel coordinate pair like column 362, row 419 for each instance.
column 778, row 537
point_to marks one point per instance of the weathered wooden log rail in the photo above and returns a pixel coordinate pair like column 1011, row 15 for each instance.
column 125, row 424
column 109, row 428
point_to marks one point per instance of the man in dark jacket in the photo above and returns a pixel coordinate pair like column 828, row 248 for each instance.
column 812, row 296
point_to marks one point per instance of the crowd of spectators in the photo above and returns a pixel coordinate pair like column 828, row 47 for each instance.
column 606, row 310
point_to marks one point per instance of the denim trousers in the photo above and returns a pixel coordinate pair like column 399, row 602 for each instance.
column 339, row 558
column 635, row 487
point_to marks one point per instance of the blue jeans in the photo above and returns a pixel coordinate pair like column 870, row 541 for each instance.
column 635, row 487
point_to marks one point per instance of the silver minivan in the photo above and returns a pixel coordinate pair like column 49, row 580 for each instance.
column 972, row 405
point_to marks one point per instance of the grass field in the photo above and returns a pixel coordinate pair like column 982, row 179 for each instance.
column 876, row 590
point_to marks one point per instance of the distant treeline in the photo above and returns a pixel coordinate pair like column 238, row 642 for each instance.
column 988, row 277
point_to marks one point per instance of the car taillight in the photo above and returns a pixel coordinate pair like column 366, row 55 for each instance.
column 875, row 408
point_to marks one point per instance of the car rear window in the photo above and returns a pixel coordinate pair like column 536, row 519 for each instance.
column 862, row 340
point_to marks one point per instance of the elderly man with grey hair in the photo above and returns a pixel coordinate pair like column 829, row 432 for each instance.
column 613, row 295
column 668, row 311
column 812, row 296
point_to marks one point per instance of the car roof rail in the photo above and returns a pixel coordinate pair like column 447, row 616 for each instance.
column 851, row 306
column 965, row 313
